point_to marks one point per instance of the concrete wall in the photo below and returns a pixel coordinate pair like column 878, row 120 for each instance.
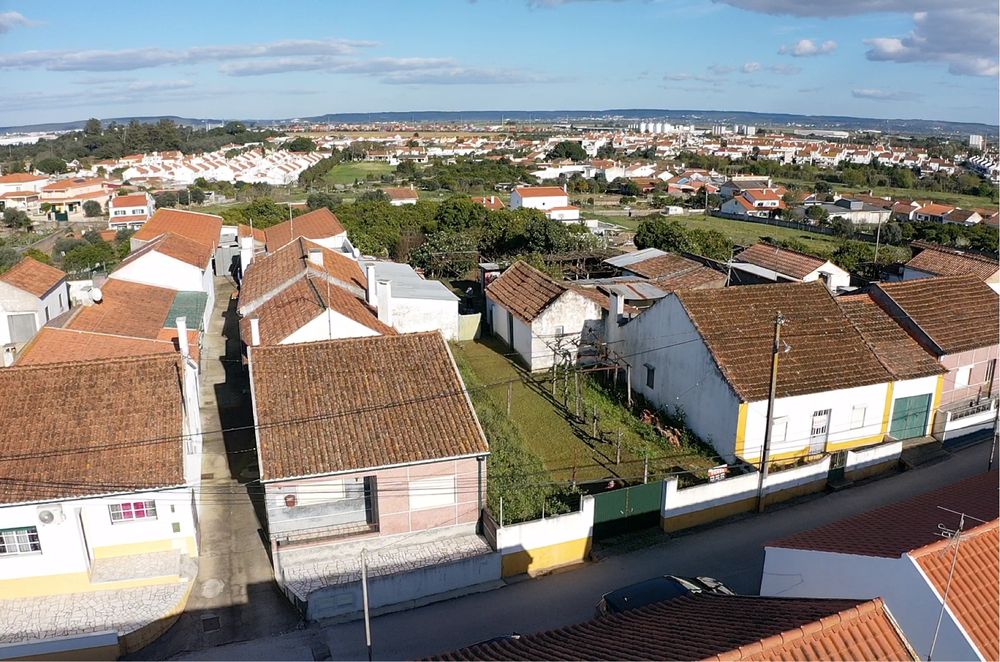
column 161, row 270
column 580, row 319
column 327, row 326
column 415, row 315
column 469, row 326
column 15, row 300
column 539, row 545
column 97, row 646
column 85, row 532
column 522, row 340
column 865, row 462
column 405, row 590
column 914, row 604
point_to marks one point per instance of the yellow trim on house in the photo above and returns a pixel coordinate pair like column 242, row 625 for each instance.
column 936, row 404
column 76, row 582
column 128, row 549
column 856, row 443
column 741, row 429
column 887, row 416
column 539, row 559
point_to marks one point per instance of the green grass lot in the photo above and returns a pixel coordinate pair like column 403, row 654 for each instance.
column 346, row 173
column 959, row 199
column 739, row 232
column 562, row 444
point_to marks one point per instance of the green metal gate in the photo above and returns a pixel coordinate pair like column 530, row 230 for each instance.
column 627, row 508
column 909, row 416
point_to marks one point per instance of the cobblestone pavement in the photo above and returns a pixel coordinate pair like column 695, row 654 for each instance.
column 136, row 566
column 308, row 569
column 121, row 610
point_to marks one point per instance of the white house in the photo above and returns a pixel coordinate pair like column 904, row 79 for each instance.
column 551, row 200
column 130, row 212
column 21, row 190
column 109, row 510
column 707, row 354
column 765, row 263
column 31, row 293
column 173, row 262
column 408, row 302
column 544, row 321
column 320, row 226
column 943, row 594
column 401, row 196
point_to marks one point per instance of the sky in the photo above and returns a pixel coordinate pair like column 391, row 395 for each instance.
column 926, row 59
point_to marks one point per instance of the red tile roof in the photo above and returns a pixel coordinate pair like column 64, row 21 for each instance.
column 134, row 200
column 123, row 436
column 904, row 526
column 955, row 313
column 54, row 345
column 319, row 224
column 539, row 191
column 524, row 290
column 401, row 193
column 490, row 202
column 934, row 209
column 901, row 355
column 180, row 248
column 717, row 627
column 974, row 588
column 33, row 277
column 737, row 324
column 782, row 260
column 661, row 266
column 334, row 406
column 126, row 309
column 21, row 178
column 203, row 228
column 943, row 261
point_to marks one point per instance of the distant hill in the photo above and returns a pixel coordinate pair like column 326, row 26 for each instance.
column 584, row 117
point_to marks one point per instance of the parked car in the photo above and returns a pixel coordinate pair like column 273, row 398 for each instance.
column 658, row 589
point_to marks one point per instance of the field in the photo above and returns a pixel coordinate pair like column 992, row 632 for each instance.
column 739, row 232
column 346, row 173
column 959, row 199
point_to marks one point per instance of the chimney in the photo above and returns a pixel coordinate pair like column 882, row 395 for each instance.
column 182, row 337
column 617, row 304
column 254, row 331
column 316, row 256
column 372, row 289
column 384, row 288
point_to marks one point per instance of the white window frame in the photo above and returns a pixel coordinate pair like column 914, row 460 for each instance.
column 433, row 492
column 20, row 540
column 963, row 376
column 117, row 511
column 779, row 424
column 858, row 415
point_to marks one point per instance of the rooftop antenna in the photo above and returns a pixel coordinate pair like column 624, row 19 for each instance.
column 955, row 535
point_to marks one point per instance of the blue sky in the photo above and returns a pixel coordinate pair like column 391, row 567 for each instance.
column 909, row 59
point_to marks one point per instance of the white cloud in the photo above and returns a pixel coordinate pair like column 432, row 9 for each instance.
column 784, row 69
column 463, row 76
column 750, row 67
column 721, row 69
column 12, row 19
column 808, row 48
column 962, row 34
column 883, row 95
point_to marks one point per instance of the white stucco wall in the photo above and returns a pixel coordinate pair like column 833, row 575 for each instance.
column 580, row 319
column 548, row 531
column 328, row 326
column 899, row 581
column 498, row 317
column 686, row 377
column 66, row 550
column 14, row 300
column 538, row 201
column 838, row 277
column 413, row 315
column 161, row 270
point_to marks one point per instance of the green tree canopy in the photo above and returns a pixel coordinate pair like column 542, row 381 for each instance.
column 568, row 149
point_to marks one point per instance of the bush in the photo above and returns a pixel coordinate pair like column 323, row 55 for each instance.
column 92, row 209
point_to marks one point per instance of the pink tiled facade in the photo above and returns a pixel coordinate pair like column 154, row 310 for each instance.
column 981, row 363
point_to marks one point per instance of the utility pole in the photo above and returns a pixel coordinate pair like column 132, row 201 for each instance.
column 955, row 535
column 364, row 598
column 765, row 455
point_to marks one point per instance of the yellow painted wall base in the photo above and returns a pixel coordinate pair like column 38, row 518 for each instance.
column 698, row 517
column 872, row 470
column 76, row 582
column 534, row 561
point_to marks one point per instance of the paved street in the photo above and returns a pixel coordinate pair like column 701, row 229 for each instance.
column 731, row 552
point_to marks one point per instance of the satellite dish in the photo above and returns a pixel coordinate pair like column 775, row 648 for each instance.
column 96, row 295
column 46, row 517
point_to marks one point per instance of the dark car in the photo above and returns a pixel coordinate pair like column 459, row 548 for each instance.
column 658, row 589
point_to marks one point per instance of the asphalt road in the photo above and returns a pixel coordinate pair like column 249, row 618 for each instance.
column 731, row 551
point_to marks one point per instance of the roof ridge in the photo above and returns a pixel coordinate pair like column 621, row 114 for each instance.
column 89, row 362
column 937, row 545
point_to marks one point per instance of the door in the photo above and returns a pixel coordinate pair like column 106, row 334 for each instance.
column 909, row 416
column 510, row 328
column 820, row 431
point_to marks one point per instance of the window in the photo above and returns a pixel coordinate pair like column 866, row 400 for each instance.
column 132, row 510
column 60, row 302
column 432, row 492
column 19, row 541
column 858, row 416
column 560, row 331
column 650, row 375
column 991, row 369
column 779, row 429
column 22, row 326
column 963, row 375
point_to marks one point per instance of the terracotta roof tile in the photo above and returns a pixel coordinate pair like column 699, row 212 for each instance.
column 203, row 228
column 696, row 278
column 524, row 290
column 33, row 277
column 53, row 345
column 716, row 627
column 783, row 260
column 21, row 178
column 661, row 265
column 901, row 355
column 126, row 309
column 92, row 444
column 341, row 405
column 318, row 224
column 302, row 302
column 974, row 591
column 956, row 312
column 943, row 261
column 539, row 191
column 180, row 248
column 904, row 526
column 401, row 193
column 827, row 352
column 269, row 274
column 134, row 200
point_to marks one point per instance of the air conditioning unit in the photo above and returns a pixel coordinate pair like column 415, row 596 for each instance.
column 51, row 514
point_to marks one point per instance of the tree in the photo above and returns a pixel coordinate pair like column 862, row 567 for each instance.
column 627, row 187
column 319, row 200
column 51, row 165
column 606, row 151
column 459, row 213
column 16, row 218
column 446, row 253
column 376, row 195
column 300, row 144
column 92, row 209
column 710, row 243
column 8, row 258
column 197, row 195
column 842, row 227
column 36, row 254
column 165, row 199
column 89, row 256
column 92, row 127
column 892, row 233
column 568, row 149
column 901, row 177
column 817, row 213
column 662, row 233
